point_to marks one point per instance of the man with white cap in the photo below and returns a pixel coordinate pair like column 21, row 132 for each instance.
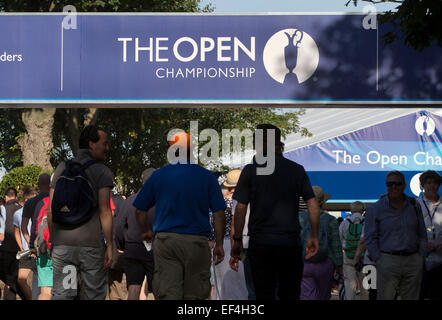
column 183, row 193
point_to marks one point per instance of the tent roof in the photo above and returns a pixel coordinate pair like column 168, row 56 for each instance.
column 327, row 123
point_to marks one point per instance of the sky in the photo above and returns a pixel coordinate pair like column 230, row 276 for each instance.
column 249, row 6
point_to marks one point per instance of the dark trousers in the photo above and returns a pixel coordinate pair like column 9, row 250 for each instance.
column 276, row 268
column 432, row 284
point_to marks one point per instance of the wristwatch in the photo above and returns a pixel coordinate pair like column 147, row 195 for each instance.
column 237, row 238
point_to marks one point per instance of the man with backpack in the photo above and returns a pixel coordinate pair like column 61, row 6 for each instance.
column 350, row 232
column 317, row 277
column 30, row 215
column 80, row 219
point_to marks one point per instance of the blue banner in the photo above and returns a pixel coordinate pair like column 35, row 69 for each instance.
column 354, row 166
column 206, row 58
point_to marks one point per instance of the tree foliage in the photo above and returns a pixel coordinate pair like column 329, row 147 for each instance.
column 106, row 6
column 20, row 177
column 419, row 22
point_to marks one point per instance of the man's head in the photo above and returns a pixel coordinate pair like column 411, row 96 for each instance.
column 28, row 193
column 146, row 174
column 430, row 181
column 180, row 141
column 10, row 194
column 269, row 131
column 44, row 181
column 395, row 183
column 95, row 140
column 357, row 206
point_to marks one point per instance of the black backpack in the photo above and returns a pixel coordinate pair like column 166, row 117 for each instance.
column 74, row 201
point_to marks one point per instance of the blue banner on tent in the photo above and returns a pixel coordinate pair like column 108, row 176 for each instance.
column 206, row 58
column 354, row 166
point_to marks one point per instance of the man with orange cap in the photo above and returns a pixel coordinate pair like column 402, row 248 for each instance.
column 183, row 193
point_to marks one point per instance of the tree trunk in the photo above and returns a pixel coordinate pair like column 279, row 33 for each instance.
column 91, row 117
column 36, row 144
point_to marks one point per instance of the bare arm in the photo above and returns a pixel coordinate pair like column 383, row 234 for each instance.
column 313, row 214
column 106, row 222
column 24, row 229
column 219, row 224
column 17, row 237
column 239, row 219
column 361, row 248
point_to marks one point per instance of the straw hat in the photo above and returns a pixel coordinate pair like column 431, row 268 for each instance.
column 320, row 195
column 232, row 178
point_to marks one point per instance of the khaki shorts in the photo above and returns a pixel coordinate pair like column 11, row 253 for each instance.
column 182, row 267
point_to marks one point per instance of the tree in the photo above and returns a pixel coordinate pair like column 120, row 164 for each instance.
column 420, row 22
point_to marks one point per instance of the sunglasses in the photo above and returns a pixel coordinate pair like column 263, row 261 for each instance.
column 394, row 183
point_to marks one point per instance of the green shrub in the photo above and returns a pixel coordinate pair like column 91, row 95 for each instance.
column 20, row 177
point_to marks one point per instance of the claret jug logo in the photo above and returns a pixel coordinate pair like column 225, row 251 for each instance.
column 425, row 124
column 291, row 56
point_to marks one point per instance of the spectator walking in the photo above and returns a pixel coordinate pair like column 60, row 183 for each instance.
column 362, row 251
column 275, row 248
column 429, row 203
column 183, row 194
column 9, row 248
column 350, row 232
column 30, row 215
column 81, row 228
column 25, row 264
column 396, row 239
column 319, row 270
column 139, row 261
column 229, row 284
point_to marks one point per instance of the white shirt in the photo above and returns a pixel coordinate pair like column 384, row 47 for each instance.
column 432, row 213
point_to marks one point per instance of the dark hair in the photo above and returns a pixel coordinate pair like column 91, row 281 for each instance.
column 279, row 145
column 429, row 174
column 2, row 201
column 28, row 192
column 89, row 133
column 396, row 173
column 11, row 192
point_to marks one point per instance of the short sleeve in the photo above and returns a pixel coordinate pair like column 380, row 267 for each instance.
column 146, row 197
column 27, row 208
column 105, row 179
column 243, row 191
column 58, row 171
column 216, row 198
column 16, row 220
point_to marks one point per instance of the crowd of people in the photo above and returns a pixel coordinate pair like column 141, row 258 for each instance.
column 185, row 236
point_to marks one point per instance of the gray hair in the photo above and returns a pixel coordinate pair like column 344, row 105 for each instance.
column 357, row 206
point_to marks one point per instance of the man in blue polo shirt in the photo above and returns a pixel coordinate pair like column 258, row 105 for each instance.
column 183, row 194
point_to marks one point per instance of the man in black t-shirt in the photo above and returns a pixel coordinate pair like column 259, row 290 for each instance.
column 275, row 247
